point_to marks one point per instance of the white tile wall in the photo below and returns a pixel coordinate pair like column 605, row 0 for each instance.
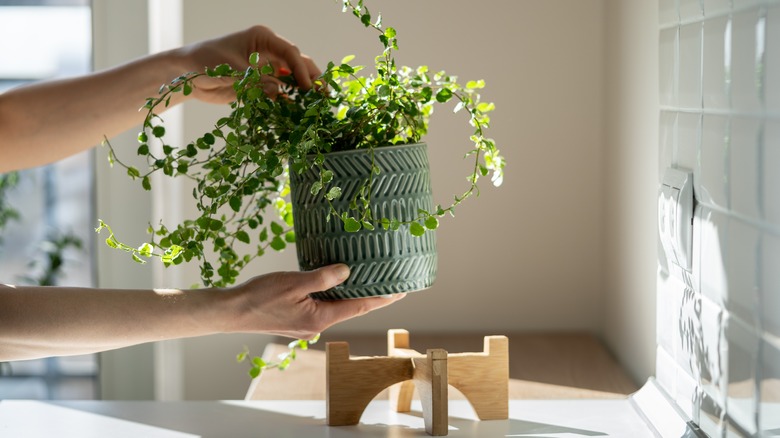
column 718, row 332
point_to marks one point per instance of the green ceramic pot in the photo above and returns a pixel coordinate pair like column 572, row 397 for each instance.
column 381, row 262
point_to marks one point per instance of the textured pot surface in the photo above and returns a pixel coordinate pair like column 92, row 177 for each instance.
column 381, row 262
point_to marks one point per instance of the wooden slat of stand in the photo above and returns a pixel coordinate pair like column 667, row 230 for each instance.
column 483, row 378
column 351, row 383
column 430, row 379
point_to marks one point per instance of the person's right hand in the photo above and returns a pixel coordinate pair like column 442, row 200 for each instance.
column 279, row 303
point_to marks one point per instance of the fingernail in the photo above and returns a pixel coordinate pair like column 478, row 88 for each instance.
column 342, row 272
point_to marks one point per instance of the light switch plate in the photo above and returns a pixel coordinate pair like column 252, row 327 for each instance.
column 675, row 216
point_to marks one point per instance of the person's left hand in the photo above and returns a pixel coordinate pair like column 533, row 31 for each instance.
column 234, row 49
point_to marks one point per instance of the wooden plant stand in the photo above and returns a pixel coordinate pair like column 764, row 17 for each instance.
column 483, row 378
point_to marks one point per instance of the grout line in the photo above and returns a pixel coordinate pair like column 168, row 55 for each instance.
column 721, row 14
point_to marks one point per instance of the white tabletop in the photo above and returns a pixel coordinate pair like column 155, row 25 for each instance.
column 528, row 418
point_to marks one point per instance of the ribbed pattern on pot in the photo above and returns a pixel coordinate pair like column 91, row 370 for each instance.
column 381, row 262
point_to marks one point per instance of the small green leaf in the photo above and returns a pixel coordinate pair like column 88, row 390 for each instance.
column 351, row 225
column 390, row 32
column 368, row 225
column 158, row 131
column 416, row 229
column 431, row 223
column 143, row 149
column 254, row 372
column 264, row 235
column 254, row 59
column 142, row 137
column 145, row 250
column 327, row 176
column 333, row 193
column 235, row 203
column 138, row 259
column 133, row 172
column 278, row 243
column 290, row 237
column 171, row 254
column 276, row 228
column 444, row 95
column 242, row 236
column 146, row 184
column 267, row 69
column 316, row 187
column 346, row 59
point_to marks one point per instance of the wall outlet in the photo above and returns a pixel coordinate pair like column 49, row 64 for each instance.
column 675, row 216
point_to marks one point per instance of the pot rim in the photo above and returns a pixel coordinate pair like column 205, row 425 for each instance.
column 378, row 148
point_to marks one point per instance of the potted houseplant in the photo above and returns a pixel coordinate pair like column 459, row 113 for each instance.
column 318, row 168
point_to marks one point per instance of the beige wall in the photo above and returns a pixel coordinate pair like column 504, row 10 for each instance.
column 527, row 256
column 630, row 183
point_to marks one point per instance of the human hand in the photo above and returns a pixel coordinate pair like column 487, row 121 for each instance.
column 234, row 49
column 279, row 303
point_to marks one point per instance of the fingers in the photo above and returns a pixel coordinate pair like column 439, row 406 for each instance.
column 337, row 311
column 303, row 68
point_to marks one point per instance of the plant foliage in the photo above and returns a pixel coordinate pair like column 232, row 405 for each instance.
column 241, row 165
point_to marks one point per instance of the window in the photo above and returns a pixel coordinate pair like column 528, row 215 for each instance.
column 47, row 39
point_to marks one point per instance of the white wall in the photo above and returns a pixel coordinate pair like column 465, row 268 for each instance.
column 630, row 183
column 527, row 256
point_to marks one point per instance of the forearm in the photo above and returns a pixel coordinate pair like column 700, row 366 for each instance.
column 44, row 122
column 51, row 321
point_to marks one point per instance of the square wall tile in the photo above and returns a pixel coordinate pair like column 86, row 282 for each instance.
column 769, row 389
column 743, row 343
column 772, row 60
column 665, row 370
column 668, row 12
column 744, row 172
column 771, row 172
column 671, row 291
column 714, row 235
column 742, row 271
column 712, row 353
column 714, row 86
column 716, row 7
column 687, row 395
column 742, row 4
column 713, row 169
column 667, row 121
column 690, row 9
column 667, row 66
column 711, row 416
column 744, row 69
column 769, row 288
column 686, row 156
column 688, row 339
column 690, row 66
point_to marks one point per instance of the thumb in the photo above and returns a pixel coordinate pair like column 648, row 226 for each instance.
column 324, row 278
